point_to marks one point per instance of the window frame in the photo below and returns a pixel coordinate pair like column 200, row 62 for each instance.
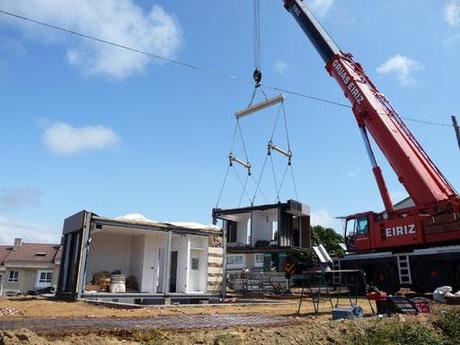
column 45, row 282
column 195, row 264
column 359, row 230
column 13, row 278
column 235, row 264
column 259, row 263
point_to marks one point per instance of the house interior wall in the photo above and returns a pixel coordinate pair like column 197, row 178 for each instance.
column 137, row 260
column 143, row 255
column 136, row 255
column 109, row 252
column 243, row 229
column 153, row 269
column 262, row 225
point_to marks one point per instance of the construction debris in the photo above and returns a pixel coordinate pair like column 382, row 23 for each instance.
column 9, row 311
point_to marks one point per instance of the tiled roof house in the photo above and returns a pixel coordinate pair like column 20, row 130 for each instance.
column 28, row 266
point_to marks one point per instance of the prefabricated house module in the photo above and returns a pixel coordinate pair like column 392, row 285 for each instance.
column 159, row 262
column 254, row 233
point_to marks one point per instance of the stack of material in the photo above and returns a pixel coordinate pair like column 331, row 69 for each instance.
column 9, row 311
column 117, row 283
column 259, row 282
column 444, row 294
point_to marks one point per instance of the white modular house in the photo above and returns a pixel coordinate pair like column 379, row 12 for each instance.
column 257, row 236
column 161, row 262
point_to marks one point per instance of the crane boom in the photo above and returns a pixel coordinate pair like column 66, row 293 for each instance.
column 424, row 182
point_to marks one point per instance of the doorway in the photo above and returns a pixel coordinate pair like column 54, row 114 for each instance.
column 173, row 272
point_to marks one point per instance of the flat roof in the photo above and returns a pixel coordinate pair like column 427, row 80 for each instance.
column 291, row 206
column 136, row 221
column 189, row 228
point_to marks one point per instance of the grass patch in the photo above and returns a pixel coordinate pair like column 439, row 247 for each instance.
column 449, row 324
column 396, row 332
column 153, row 337
column 228, row 339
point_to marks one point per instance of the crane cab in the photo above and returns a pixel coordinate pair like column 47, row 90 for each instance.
column 371, row 231
column 357, row 228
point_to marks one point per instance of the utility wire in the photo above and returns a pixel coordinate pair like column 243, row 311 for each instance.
column 198, row 68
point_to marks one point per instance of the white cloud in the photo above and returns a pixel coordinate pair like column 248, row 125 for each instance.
column 11, row 228
column 282, row 67
column 120, row 21
column 320, row 7
column 452, row 12
column 402, row 66
column 323, row 218
column 61, row 138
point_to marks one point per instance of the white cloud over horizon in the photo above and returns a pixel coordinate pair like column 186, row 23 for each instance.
column 452, row 12
column 11, row 228
column 402, row 66
column 63, row 139
column 120, row 21
column 320, row 7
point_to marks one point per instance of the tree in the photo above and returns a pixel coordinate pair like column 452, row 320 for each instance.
column 319, row 235
column 328, row 238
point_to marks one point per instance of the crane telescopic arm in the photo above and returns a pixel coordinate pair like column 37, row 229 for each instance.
column 426, row 185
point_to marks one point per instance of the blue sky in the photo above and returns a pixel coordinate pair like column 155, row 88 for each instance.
column 86, row 126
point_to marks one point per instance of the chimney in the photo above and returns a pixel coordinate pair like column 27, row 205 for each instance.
column 17, row 242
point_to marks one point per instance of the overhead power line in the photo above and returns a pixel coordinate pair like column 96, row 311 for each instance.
column 198, row 68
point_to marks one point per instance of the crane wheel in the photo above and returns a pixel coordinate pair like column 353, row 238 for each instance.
column 430, row 275
column 385, row 278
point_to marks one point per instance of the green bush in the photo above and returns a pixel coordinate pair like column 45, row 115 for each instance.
column 397, row 333
column 449, row 323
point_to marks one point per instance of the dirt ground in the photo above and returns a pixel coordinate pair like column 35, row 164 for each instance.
column 311, row 331
column 39, row 307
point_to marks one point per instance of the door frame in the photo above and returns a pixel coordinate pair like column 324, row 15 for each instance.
column 202, row 270
column 173, row 269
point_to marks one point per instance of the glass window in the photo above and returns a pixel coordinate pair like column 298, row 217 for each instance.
column 259, row 260
column 235, row 260
column 362, row 226
column 195, row 264
column 13, row 277
column 46, row 277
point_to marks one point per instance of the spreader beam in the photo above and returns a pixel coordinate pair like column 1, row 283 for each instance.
column 259, row 106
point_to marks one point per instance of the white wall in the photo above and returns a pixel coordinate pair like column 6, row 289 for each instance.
column 199, row 248
column 242, row 231
column 151, row 267
column 108, row 253
column 262, row 228
column 139, row 255
column 137, row 258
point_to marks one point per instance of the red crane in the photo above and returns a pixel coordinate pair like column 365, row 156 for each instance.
column 435, row 217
